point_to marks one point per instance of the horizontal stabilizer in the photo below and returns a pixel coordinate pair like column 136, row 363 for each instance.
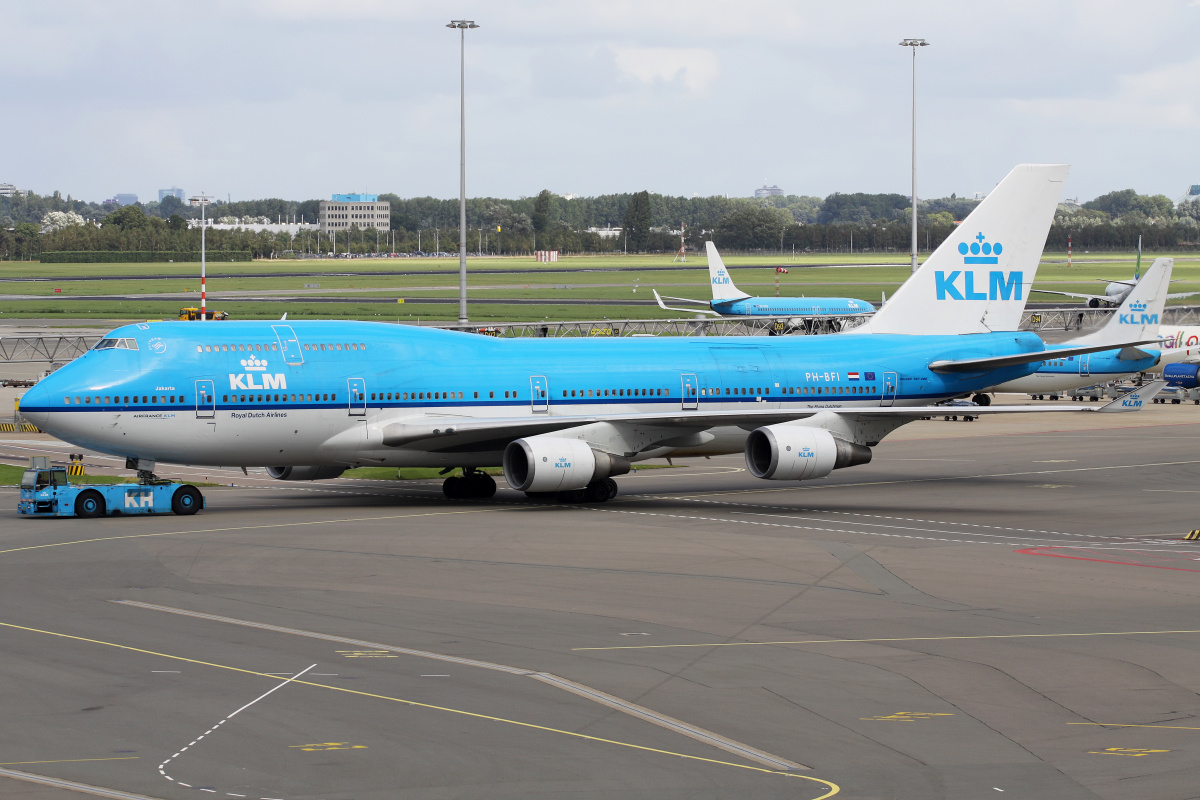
column 1134, row 400
column 996, row 362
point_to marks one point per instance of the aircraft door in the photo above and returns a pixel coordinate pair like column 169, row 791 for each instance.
column 539, row 393
column 289, row 345
column 206, row 400
column 1083, row 364
column 691, row 396
column 357, row 389
column 890, row 382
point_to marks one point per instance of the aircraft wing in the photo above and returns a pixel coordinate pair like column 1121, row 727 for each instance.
column 995, row 362
column 666, row 307
column 1181, row 295
column 473, row 433
column 1075, row 294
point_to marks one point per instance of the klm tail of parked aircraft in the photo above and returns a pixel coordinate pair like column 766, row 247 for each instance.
column 975, row 282
column 1140, row 314
column 1137, row 319
column 723, row 290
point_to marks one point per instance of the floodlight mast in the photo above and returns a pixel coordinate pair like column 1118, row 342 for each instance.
column 914, row 44
column 462, row 25
column 201, row 200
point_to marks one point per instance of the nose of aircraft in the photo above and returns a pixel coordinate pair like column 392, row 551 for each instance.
column 35, row 404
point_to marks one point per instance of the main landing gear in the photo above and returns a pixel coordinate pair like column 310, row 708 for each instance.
column 471, row 485
column 595, row 492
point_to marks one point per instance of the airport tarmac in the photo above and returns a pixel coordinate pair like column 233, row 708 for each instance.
column 1000, row 608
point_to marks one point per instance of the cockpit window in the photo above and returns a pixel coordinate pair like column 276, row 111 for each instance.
column 116, row 344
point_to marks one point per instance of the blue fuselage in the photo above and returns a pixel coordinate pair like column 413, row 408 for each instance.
column 266, row 393
column 1075, row 372
column 792, row 307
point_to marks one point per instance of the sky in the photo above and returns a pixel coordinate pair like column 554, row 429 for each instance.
column 300, row 99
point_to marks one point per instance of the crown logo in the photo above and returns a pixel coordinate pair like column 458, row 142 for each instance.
column 254, row 364
column 980, row 251
column 1137, row 306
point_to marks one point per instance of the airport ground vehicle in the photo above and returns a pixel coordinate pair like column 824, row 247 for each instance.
column 186, row 314
column 46, row 492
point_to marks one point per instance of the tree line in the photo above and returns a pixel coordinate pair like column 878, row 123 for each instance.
column 649, row 222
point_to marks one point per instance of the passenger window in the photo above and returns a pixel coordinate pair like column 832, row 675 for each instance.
column 491, row 395
column 333, row 398
column 477, row 395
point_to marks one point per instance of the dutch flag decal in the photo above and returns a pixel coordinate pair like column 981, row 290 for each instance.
column 853, row 376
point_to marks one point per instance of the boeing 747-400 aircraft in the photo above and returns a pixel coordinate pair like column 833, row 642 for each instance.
column 729, row 301
column 309, row 399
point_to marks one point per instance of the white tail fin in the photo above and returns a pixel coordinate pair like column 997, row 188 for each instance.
column 1140, row 311
column 723, row 289
column 977, row 280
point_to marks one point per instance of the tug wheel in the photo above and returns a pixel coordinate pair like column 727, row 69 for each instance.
column 89, row 504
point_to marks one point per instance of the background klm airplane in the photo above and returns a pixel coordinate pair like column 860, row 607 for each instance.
column 310, row 399
column 1115, row 292
column 1137, row 318
column 729, row 301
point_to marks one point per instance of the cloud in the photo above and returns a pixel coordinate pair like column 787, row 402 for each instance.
column 693, row 70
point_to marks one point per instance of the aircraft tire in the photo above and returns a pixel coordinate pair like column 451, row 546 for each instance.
column 482, row 485
column 611, row 486
column 186, row 501
column 89, row 505
column 452, row 487
column 982, row 399
column 573, row 496
column 597, row 492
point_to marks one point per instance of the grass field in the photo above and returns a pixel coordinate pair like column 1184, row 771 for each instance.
column 157, row 291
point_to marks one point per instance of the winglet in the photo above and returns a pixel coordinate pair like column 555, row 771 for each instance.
column 723, row 289
column 1133, row 400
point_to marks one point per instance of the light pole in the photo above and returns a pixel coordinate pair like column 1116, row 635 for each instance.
column 462, row 25
column 914, row 44
column 201, row 200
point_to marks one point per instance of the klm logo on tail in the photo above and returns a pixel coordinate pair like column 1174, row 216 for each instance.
column 1138, row 315
column 721, row 278
column 989, row 251
column 1001, row 285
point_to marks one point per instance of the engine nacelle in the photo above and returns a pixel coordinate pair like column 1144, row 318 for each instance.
column 557, row 464
column 797, row 453
column 1184, row 376
column 304, row 473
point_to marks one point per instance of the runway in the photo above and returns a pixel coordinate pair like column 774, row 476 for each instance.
column 997, row 608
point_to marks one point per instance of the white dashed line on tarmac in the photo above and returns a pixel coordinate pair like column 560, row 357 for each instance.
column 162, row 768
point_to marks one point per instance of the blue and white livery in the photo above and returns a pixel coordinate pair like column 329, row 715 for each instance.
column 729, row 301
column 310, row 399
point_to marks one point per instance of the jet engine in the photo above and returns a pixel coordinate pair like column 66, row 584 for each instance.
column 795, row 452
column 1184, row 376
column 557, row 464
column 304, row 473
